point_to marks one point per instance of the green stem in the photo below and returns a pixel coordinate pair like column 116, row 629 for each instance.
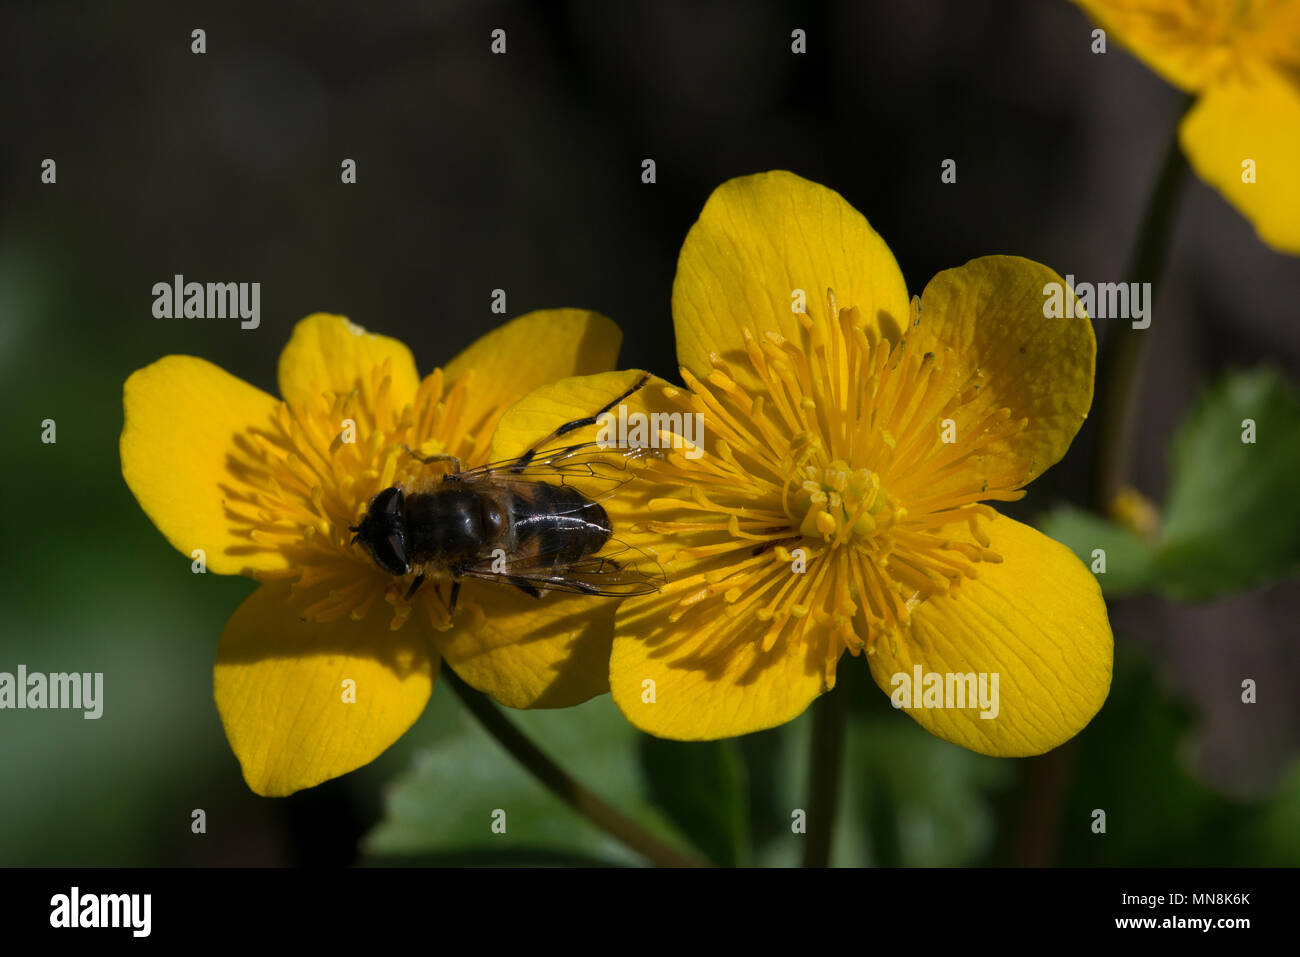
column 561, row 784
column 824, row 778
column 1119, row 367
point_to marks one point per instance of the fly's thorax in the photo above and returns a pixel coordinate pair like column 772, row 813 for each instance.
column 453, row 523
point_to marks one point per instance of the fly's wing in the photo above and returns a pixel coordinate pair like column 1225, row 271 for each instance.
column 622, row 574
column 593, row 470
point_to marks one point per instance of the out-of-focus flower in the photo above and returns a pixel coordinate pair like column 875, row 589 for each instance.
column 1241, row 60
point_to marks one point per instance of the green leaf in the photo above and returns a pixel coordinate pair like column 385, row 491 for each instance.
column 445, row 805
column 1130, row 564
column 701, row 786
column 1232, row 515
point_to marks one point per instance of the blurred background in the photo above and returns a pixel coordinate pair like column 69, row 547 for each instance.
column 523, row 172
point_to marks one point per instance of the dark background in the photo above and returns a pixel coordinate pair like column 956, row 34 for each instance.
column 523, row 172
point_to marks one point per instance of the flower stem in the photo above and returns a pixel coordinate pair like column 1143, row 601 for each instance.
column 824, row 778
column 1119, row 371
column 561, row 784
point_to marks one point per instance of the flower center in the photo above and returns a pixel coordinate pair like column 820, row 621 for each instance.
column 842, row 486
column 841, row 504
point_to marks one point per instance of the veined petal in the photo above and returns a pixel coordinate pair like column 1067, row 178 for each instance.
column 1037, row 621
column 761, row 241
column 328, row 353
column 986, row 319
column 1251, row 116
column 549, row 652
column 282, row 687
column 180, row 457
column 531, row 351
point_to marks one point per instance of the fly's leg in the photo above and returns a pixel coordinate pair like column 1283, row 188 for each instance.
column 568, row 427
column 457, row 465
column 524, row 585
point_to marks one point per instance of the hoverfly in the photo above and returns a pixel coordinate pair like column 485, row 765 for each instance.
column 520, row 521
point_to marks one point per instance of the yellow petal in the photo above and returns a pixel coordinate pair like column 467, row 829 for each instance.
column 1037, row 621
column 1252, row 116
column 330, row 354
column 1185, row 42
column 687, row 681
column 760, row 241
column 182, row 418
column 282, row 688
column 549, row 652
column 986, row 318
column 533, row 350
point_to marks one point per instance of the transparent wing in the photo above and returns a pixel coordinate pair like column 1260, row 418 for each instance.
column 623, row 573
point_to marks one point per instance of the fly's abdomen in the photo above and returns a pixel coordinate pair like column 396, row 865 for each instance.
column 559, row 524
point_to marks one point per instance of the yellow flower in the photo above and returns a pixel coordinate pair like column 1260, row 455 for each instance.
column 1241, row 59
column 327, row 663
column 839, row 503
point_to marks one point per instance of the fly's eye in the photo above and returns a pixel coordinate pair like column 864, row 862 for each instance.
column 389, row 503
column 383, row 531
column 390, row 553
